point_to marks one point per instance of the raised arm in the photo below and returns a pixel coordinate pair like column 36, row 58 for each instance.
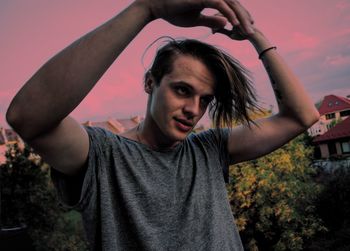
column 62, row 83
column 39, row 112
column 296, row 110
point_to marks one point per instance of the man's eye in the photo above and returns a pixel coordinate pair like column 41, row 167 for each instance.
column 205, row 101
column 181, row 90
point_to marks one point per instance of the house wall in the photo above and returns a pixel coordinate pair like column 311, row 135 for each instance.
column 319, row 128
column 324, row 151
column 338, row 146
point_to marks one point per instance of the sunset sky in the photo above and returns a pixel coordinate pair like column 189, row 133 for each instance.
column 313, row 36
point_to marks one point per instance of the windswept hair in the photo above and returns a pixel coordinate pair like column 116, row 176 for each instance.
column 234, row 96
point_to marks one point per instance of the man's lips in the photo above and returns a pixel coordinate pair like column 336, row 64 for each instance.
column 183, row 124
column 184, row 121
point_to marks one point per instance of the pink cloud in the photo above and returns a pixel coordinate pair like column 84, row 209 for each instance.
column 337, row 60
column 304, row 41
column 342, row 32
column 343, row 5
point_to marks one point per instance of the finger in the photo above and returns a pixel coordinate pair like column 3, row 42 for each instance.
column 252, row 21
column 234, row 34
column 243, row 15
column 223, row 8
column 222, row 31
column 214, row 22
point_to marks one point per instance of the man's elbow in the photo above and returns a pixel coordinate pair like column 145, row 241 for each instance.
column 11, row 117
column 17, row 123
column 310, row 119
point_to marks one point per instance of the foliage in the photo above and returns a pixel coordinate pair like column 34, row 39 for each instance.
column 272, row 199
column 333, row 206
column 28, row 197
column 334, row 122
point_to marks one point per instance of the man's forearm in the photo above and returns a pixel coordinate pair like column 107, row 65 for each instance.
column 64, row 81
column 292, row 99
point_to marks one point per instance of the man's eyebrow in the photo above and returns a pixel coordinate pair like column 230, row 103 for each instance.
column 192, row 88
column 183, row 83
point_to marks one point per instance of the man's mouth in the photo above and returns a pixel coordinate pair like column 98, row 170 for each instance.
column 183, row 124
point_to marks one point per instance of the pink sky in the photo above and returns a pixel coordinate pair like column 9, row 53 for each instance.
column 313, row 36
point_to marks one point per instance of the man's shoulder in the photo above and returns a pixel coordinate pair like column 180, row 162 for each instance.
column 212, row 134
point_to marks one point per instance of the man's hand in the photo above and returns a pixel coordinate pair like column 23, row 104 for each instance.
column 188, row 13
column 237, row 33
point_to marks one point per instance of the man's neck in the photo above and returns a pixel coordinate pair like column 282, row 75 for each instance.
column 150, row 135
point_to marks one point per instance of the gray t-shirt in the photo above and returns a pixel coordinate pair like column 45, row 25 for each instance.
column 136, row 198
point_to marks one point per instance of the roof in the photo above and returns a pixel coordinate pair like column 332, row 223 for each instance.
column 333, row 103
column 340, row 130
column 7, row 135
column 3, row 149
column 116, row 125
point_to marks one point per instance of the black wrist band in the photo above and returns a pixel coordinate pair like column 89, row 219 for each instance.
column 266, row 50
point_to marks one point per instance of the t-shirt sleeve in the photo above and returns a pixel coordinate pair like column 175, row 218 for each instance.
column 218, row 140
column 76, row 192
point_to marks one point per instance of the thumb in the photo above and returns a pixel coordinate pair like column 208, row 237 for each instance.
column 214, row 22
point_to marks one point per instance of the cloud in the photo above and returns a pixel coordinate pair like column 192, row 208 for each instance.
column 337, row 60
column 305, row 41
column 343, row 5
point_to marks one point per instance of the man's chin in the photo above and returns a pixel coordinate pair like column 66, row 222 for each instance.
column 180, row 135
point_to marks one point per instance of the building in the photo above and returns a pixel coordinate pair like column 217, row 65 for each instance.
column 332, row 132
column 116, row 126
column 7, row 136
column 333, row 109
column 335, row 142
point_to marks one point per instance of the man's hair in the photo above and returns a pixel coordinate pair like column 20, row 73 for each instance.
column 234, row 94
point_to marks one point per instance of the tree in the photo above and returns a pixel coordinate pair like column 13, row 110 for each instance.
column 333, row 207
column 334, row 122
column 28, row 198
column 272, row 199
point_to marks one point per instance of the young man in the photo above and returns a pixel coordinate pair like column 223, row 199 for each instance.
column 156, row 187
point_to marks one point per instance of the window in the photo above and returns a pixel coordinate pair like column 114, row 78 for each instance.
column 345, row 147
column 332, row 148
column 337, row 102
column 345, row 113
column 330, row 116
column 330, row 104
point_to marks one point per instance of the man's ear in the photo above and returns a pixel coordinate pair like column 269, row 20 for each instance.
column 149, row 82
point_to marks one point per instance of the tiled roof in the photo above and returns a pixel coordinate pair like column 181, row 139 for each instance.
column 340, row 130
column 3, row 149
column 333, row 103
column 7, row 135
column 116, row 125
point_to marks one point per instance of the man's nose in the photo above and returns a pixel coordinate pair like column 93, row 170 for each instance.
column 192, row 107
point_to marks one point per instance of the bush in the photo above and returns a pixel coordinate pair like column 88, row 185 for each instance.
column 333, row 207
column 28, row 198
column 272, row 199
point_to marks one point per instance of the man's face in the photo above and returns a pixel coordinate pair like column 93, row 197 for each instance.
column 181, row 98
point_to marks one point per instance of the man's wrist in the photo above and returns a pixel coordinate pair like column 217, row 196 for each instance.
column 145, row 7
column 259, row 41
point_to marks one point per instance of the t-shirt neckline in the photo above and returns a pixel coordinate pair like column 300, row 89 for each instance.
column 148, row 148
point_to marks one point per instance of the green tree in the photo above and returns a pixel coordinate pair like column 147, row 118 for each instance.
column 28, row 197
column 334, row 122
column 272, row 199
column 333, row 207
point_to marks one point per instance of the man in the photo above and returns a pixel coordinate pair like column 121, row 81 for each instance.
column 156, row 187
